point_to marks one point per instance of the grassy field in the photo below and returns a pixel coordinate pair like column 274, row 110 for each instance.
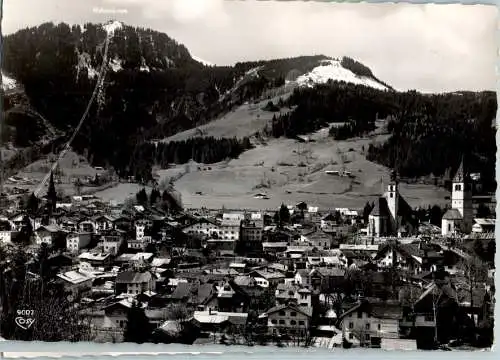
column 245, row 120
column 121, row 192
column 285, row 170
column 71, row 167
column 288, row 172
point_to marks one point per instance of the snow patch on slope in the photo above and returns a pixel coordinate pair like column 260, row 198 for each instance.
column 111, row 27
column 8, row 83
column 204, row 62
column 332, row 69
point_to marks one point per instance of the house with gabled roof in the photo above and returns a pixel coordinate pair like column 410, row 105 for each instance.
column 115, row 314
column 212, row 321
column 370, row 320
column 286, row 293
column 288, row 319
column 95, row 258
column 274, row 277
column 77, row 240
column 113, row 241
column 76, row 282
column 483, row 225
column 204, row 227
column 326, row 278
column 135, row 282
column 52, row 235
column 104, row 222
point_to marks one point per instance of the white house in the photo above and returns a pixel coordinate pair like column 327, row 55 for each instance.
column 6, row 236
column 295, row 293
column 104, row 223
column 370, row 321
column 77, row 241
column 230, row 229
column 302, row 277
column 135, row 282
column 112, row 243
column 87, row 226
column 203, row 227
column 263, row 283
column 288, row 319
column 47, row 234
column 483, row 225
column 233, row 216
column 76, row 282
column 115, row 315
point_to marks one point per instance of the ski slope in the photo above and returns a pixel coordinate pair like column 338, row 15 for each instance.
column 333, row 70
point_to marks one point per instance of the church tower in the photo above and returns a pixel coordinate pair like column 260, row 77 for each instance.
column 461, row 196
column 393, row 200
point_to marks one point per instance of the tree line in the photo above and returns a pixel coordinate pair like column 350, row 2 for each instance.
column 206, row 150
column 52, row 61
column 31, row 285
column 426, row 130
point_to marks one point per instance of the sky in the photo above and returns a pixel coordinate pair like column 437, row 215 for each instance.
column 430, row 48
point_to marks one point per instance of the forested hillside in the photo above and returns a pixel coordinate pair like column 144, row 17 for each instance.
column 154, row 89
column 430, row 133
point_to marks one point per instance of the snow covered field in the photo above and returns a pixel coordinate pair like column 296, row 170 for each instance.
column 332, row 69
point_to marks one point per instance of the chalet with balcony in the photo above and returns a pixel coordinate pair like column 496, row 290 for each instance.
column 135, row 282
column 288, row 319
column 51, row 235
column 371, row 320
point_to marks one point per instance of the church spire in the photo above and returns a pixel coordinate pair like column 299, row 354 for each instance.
column 51, row 193
column 460, row 175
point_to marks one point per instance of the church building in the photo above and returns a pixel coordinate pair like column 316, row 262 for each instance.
column 391, row 216
column 459, row 218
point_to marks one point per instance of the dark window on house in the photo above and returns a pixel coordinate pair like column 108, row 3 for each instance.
column 293, row 322
column 351, row 336
column 282, row 313
column 293, row 313
column 360, row 314
column 367, row 337
column 351, row 325
column 367, row 326
column 273, row 321
column 301, row 323
column 391, row 194
column 378, row 326
column 282, row 322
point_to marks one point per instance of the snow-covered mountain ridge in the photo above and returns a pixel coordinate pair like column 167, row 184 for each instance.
column 332, row 69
